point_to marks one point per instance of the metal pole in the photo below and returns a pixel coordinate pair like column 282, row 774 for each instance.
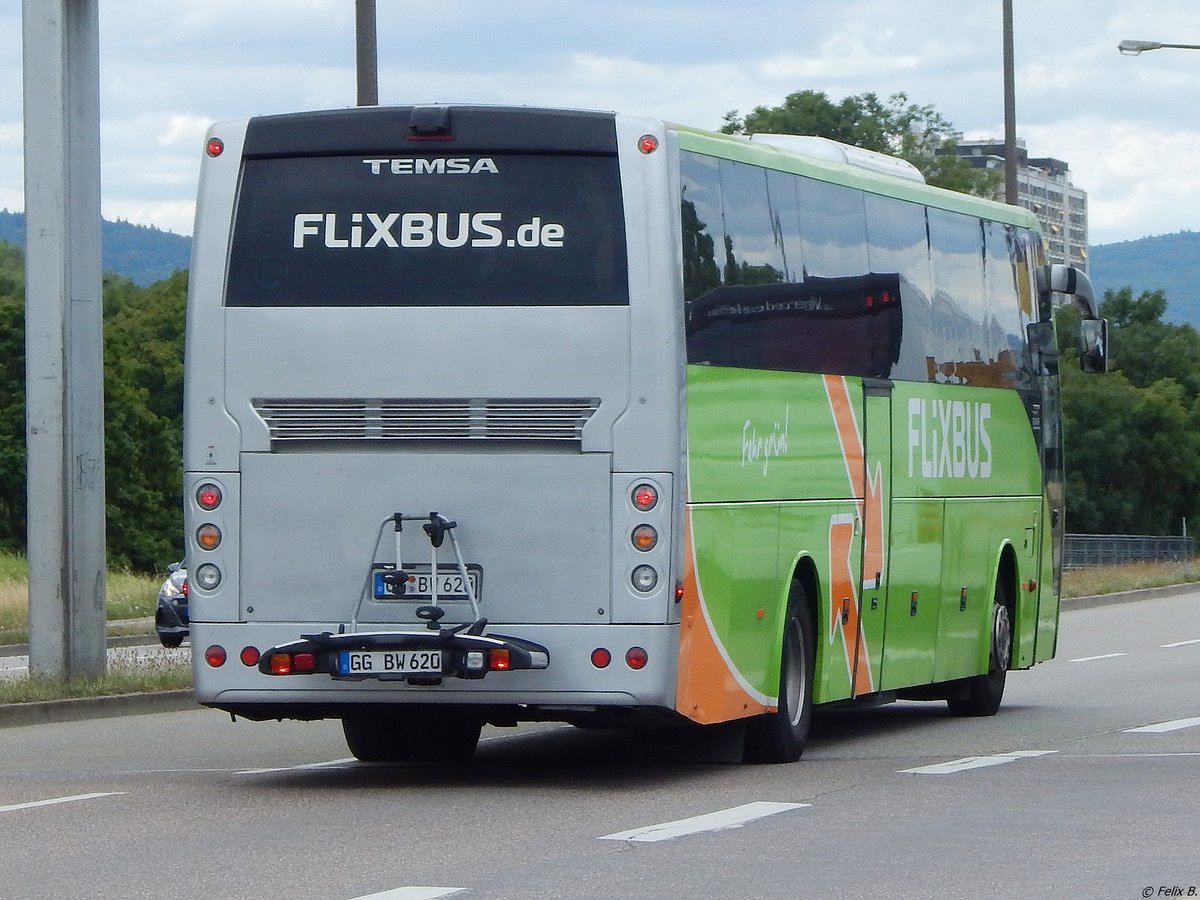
column 1010, row 110
column 367, row 53
column 64, row 368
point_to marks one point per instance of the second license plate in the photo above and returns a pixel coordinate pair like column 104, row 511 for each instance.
column 418, row 583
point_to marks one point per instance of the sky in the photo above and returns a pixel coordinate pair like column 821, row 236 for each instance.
column 1128, row 126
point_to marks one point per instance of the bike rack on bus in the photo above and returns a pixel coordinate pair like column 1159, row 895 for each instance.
column 436, row 527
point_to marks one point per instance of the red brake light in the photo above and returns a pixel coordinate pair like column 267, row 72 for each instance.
column 249, row 656
column 215, row 147
column 208, row 495
column 304, row 662
column 183, row 588
column 636, row 658
column 645, row 497
column 601, row 658
column 215, row 656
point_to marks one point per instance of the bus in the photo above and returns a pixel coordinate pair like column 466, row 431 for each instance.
column 496, row 415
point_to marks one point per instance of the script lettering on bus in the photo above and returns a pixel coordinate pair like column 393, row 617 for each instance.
column 772, row 444
column 949, row 438
column 440, row 165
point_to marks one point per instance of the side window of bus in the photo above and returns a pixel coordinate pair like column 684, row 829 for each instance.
column 959, row 354
column 701, row 219
column 899, row 244
column 1008, row 312
column 753, row 252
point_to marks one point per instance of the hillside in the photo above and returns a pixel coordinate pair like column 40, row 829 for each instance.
column 1167, row 261
column 143, row 255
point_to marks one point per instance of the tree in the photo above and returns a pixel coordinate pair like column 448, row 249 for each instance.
column 894, row 126
column 1132, row 441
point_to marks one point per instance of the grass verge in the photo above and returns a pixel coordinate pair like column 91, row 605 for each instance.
column 123, row 677
column 1128, row 577
column 128, row 595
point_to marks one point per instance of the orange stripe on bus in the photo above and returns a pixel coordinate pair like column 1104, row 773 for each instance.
column 707, row 691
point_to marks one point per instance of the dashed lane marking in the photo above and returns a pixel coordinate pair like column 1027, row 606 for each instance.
column 714, row 821
column 1093, row 658
column 1163, row 727
column 975, row 762
column 55, row 800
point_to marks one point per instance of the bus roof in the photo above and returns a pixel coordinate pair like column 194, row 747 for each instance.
column 740, row 149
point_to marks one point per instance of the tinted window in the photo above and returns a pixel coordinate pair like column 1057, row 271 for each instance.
column 898, row 243
column 501, row 230
column 1005, row 328
column 833, row 226
column 956, row 247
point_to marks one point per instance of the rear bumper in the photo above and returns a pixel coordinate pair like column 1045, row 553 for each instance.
column 568, row 681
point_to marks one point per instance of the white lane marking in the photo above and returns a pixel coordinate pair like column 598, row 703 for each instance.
column 1090, row 658
column 413, row 893
column 316, row 765
column 975, row 762
column 52, row 802
column 714, row 821
column 1163, row 727
column 1180, row 643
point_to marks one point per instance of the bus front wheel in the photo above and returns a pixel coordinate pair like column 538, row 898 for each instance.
column 780, row 736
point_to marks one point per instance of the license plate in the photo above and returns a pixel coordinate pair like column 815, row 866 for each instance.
column 418, row 583
column 389, row 662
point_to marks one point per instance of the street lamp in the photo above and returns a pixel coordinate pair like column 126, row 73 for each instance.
column 1133, row 48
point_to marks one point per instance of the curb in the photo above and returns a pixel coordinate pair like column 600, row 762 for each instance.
column 73, row 710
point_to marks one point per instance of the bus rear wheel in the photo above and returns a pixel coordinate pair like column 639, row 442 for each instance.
column 416, row 735
column 779, row 737
column 981, row 695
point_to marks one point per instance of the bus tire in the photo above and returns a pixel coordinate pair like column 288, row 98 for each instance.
column 376, row 737
column 442, row 735
column 981, row 695
column 780, row 736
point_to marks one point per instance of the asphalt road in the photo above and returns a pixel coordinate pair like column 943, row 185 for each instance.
column 1087, row 784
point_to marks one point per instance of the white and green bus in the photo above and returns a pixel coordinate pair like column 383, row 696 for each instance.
column 505, row 414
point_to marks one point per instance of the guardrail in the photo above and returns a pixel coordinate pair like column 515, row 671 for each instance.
column 1083, row 550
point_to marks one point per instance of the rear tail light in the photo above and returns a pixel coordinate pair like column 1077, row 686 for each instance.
column 499, row 660
column 208, row 536
column 644, row 579
column 644, row 538
column 215, row 656
column 645, row 497
column 208, row 496
column 249, row 656
column 636, row 658
column 601, row 658
column 207, row 576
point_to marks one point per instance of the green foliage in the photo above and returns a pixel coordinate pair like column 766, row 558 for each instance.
column 894, row 126
column 1133, row 435
column 143, row 413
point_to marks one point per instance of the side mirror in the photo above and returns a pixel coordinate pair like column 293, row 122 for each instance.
column 1059, row 279
column 1043, row 345
column 1093, row 346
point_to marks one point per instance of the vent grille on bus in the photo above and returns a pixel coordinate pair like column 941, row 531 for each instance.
column 542, row 420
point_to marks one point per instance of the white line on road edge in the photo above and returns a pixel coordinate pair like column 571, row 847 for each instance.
column 1161, row 727
column 317, row 765
column 1090, row 658
column 715, row 821
column 1180, row 643
column 412, row 893
column 31, row 805
column 975, row 762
